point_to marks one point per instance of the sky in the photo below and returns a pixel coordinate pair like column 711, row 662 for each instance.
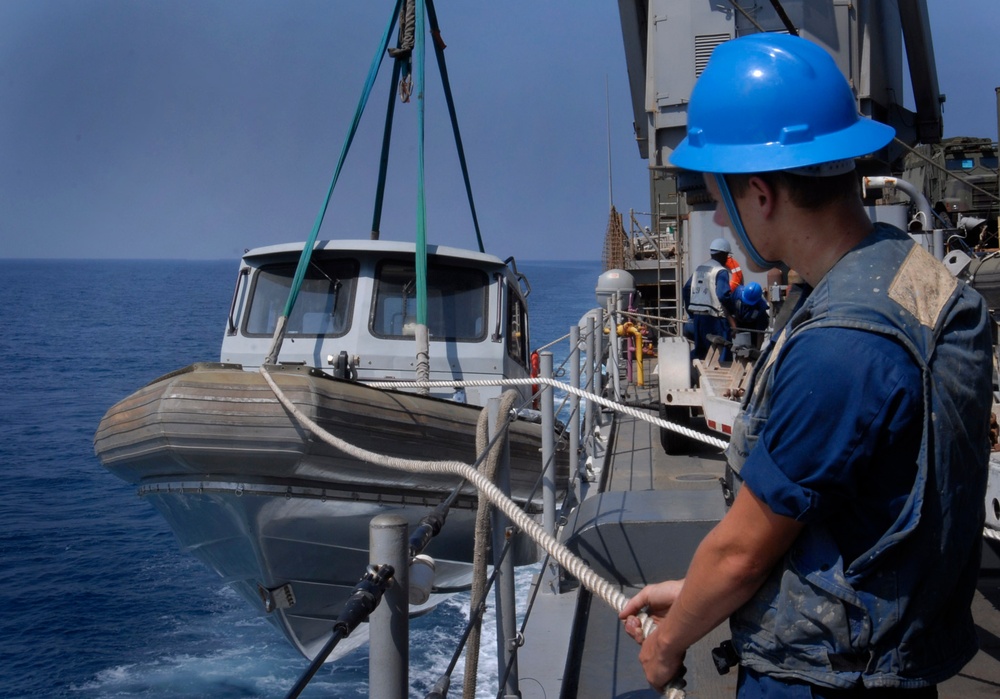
column 195, row 129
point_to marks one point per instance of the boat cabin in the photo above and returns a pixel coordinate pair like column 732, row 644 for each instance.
column 355, row 314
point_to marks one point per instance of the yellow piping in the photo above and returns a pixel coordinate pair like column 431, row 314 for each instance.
column 630, row 329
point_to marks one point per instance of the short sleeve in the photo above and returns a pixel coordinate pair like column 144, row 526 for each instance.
column 844, row 404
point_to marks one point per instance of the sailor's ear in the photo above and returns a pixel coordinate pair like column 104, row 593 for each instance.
column 763, row 193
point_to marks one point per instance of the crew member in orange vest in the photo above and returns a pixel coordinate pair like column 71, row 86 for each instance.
column 735, row 271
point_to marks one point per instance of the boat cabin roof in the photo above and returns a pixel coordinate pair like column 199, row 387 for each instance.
column 355, row 314
column 260, row 255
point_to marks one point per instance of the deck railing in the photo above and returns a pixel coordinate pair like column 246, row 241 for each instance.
column 392, row 552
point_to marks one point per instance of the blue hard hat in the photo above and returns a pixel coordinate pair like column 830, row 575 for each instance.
column 773, row 102
column 751, row 293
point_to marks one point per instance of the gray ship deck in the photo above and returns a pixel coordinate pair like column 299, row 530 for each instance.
column 643, row 527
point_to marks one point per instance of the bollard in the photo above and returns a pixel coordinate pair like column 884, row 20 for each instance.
column 388, row 658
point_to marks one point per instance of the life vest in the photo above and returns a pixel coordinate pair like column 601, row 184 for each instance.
column 704, row 300
column 899, row 615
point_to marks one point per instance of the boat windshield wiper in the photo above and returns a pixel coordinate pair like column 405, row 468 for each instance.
column 407, row 291
column 335, row 285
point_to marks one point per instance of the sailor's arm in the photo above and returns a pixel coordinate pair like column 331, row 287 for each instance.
column 730, row 564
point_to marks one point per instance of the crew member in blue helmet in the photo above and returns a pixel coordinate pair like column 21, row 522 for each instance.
column 847, row 561
column 750, row 311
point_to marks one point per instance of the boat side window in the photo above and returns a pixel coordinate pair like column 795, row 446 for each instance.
column 322, row 307
column 456, row 302
column 517, row 328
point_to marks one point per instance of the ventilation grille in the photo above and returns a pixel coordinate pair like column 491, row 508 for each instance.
column 703, row 47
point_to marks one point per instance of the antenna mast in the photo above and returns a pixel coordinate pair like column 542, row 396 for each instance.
column 607, row 105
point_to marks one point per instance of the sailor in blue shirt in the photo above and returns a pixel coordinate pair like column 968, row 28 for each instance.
column 827, row 435
column 848, row 559
column 847, row 451
column 750, row 311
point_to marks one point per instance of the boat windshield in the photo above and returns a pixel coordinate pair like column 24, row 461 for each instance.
column 322, row 308
column 456, row 302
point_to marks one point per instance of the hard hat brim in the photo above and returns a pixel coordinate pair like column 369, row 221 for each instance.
column 862, row 138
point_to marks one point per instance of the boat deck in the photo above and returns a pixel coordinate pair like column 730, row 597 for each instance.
column 643, row 527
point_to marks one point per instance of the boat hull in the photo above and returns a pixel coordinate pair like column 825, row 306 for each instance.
column 279, row 514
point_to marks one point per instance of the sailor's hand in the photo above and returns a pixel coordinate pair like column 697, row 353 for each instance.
column 661, row 663
column 642, row 615
column 654, row 600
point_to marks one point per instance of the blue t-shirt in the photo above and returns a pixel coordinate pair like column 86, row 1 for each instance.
column 841, row 443
column 840, row 447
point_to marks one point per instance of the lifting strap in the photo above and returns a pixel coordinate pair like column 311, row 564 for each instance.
column 439, row 47
column 383, row 161
column 412, row 18
column 421, row 257
column 403, row 54
column 300, row 270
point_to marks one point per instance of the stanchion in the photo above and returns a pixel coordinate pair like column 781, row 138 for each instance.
column 547, row 406
column 389, row 655
column 593, row 377
column 504, row 591
column 574, row 404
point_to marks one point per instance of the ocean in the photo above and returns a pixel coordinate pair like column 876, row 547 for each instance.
column 99, row 600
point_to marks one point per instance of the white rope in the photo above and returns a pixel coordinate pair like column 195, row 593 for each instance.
column 593, row 582
column 482, row 534
column 600, row 400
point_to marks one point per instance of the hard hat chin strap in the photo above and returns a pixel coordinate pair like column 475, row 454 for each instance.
column 736, row 222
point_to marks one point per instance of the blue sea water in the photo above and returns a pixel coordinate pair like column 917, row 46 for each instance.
column 98, row 600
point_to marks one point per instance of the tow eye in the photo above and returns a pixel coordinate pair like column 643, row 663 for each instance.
column 277, row 597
